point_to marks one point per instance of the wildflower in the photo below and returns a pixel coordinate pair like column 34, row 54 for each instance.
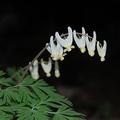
column 56, row 50
column 57, row 71
column 47, row 66
column 34, row 70
column 80, row 41
column 91, row 44
column 66, row 42
column 102, row 49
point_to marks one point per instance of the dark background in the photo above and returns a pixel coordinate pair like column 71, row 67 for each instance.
column 26, row 27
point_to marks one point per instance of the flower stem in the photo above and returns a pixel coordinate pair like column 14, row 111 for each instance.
column 26, row 68
column 36, row 57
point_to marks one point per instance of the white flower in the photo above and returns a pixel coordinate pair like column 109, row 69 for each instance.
column 57, row 71
column 66, row 42
column 47, row 66
column 56, row 50
column 34, row 70
column 80, row 42
column 102, row 50
column 91, row 44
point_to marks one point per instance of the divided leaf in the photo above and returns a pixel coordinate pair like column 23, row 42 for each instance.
column 29, row 99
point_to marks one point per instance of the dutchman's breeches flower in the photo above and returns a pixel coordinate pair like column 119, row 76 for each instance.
column 47, row 66
column 80, row 41
column 66, row 42
column 59, row 45
column 102, row 50
column 91, row 44
column 34, row 70
column 56, row 50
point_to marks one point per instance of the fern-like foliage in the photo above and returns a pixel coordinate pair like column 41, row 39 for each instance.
column 29, row 99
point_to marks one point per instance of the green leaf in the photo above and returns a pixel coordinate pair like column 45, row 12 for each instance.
column 25, row 94
column 5, row 113
column 27, row 81
column 11, row 71
column 26, row 113
column 15, row 73
column 9, row 95
column 1, row 73
column 66, row 113
column 7, row 82
column 33, row 100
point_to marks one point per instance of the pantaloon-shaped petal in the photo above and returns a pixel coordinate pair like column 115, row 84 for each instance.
column 47, row 66
column 67, row 42
column 57, row 71
column 91, row 44
column 56, row 50
column 34, row 70
column 80, row 42
column 102, row 49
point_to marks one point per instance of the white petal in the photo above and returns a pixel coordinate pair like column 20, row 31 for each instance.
column 35, row 75
column 67, row 41
column 30, row 68
column 57, row 71
column 79, row 41
column 34, row 70
column 56, row 50
column 53, row 46
column 93, row 40
column 83, row 31
column 48, row 74
column 59, row 48
column 91, row 44
column 35, row 64
column 49, row 49
column 47, row 66
column 102, row 49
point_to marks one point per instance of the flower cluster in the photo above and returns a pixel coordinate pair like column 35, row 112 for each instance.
column 61, row 44
column 46, row 66
column 82, row 40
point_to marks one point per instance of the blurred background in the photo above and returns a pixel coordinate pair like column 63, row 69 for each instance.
column 91, row 85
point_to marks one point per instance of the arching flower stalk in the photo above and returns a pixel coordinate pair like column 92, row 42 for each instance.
column 47, row 66
column 102, row 50
column 66, row 42
column 34, row 70
column 91, row 44
column 80, row 41
column 57, row 71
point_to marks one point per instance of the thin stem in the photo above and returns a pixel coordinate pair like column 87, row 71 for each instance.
column 63, row 35
column 26, row 68
column 36, row 57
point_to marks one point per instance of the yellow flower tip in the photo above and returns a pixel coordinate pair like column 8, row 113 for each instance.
column 67, row 49
column 54, row 58
column 62, row 58
column 91, row 53
column 72, row 47
column 64, row 54
column 82, row 50
column 57, row 73
column 48, row 74
column 36, row 78
column 102, row 59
